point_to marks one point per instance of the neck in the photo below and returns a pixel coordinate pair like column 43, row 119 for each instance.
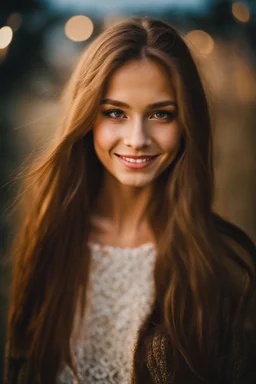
column 124, row 207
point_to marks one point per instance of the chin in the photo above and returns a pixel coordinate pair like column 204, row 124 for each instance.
column 135, row 181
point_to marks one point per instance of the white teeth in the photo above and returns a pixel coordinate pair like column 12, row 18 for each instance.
column 137, row 161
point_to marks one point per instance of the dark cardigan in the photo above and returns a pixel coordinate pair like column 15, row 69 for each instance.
column 152, row 367
column 153, row 371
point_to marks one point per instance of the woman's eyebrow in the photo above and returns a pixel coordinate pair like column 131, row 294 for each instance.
column 154, row 105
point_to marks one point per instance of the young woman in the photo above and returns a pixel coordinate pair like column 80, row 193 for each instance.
column 122, row 271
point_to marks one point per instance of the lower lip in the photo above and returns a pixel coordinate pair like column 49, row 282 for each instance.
column 136, row 165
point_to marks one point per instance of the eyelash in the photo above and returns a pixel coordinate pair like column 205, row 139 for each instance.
column 170, row 115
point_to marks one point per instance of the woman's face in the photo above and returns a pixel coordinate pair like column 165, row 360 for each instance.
column 136, row 132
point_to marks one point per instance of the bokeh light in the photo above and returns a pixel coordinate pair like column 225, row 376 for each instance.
column 79, row 28
column 14, row 21
column 200, row 41
column 240, row 12
column 5, row 36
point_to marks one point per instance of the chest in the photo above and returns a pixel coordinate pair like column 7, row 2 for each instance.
column 120, row 297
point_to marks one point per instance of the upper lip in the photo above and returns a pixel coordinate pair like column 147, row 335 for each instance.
column 135, row 157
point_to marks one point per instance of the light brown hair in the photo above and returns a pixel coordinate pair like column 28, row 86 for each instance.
column 200, row 309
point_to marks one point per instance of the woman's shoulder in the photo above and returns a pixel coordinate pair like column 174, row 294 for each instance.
column 236, row 269
column 239, row 250
column 241, row 271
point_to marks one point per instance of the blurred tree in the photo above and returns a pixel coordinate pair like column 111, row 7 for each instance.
column 20, row 5
column 13, row 68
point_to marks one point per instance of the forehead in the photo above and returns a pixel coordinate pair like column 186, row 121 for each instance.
column 142, row 77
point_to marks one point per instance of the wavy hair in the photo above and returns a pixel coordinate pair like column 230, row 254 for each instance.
column 201, row 309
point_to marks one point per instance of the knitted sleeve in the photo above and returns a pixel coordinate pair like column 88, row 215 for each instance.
column 17, row 368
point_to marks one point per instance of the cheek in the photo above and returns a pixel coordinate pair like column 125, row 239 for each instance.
column 169, row 139
column 104, row 137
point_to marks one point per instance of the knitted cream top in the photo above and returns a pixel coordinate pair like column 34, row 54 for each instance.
column 121, row 295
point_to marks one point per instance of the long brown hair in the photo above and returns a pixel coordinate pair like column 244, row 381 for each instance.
column 199, row 309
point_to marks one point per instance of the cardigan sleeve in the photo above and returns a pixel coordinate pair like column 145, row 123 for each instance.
column 248, row 374
column 158, row 364
column 249, row 371
column 17, row 367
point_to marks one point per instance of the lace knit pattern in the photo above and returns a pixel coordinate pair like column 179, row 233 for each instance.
column 121, row 294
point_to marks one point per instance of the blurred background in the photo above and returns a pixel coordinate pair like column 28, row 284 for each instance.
column 40, row 41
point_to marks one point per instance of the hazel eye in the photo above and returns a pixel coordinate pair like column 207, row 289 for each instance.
column 113, row 113
column 164, row 115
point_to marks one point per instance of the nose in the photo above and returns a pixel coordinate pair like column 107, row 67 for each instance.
column 137, row 135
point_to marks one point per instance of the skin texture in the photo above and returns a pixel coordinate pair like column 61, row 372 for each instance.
column 135, row 130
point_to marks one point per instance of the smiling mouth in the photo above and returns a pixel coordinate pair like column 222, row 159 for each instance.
column 137, row 159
